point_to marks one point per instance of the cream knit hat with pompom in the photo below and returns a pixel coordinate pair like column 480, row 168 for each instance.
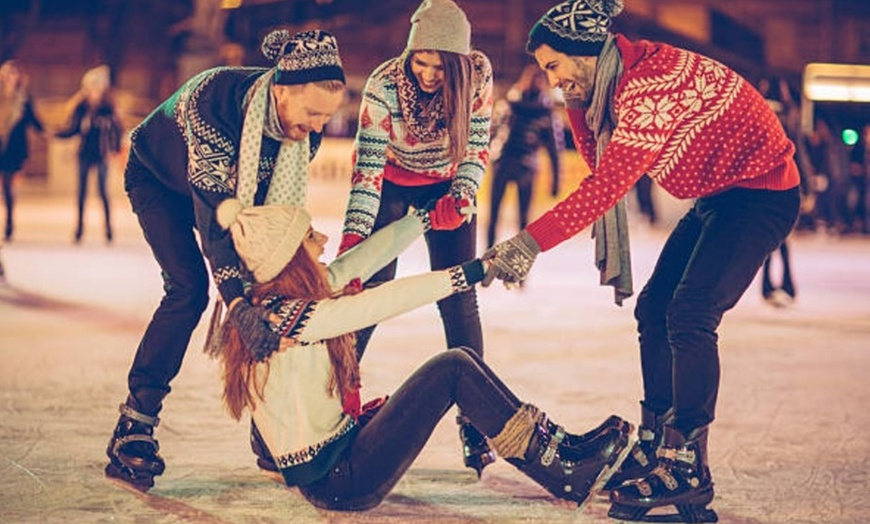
column 266, row 237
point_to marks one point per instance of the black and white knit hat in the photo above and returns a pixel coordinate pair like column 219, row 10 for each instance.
column 440, row 25
column 306, row 57
column 575, row 27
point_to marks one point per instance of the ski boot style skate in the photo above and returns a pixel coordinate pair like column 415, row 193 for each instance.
column 476, row 453
column 133, row 451
column 571, row 467
column 680, row 479
column 642, row 457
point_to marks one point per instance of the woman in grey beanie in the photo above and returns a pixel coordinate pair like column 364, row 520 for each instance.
column 423, row 137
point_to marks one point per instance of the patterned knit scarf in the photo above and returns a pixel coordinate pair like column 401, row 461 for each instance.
column 612, row 251
column 425, row 121
column 290, row 174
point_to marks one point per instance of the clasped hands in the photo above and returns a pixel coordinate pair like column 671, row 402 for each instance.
column 510, row 261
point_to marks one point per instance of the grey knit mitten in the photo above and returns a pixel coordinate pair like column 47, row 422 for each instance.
column 253, row 327
column 511, row 260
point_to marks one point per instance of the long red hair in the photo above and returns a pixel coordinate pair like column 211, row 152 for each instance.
column 302, row 278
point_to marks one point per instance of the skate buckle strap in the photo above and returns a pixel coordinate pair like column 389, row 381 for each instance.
column 677, row 454
column 553, row 446
column 129, row 412
column 134, row 437
column 640, row 456
column 668, row 479
column 645, row 434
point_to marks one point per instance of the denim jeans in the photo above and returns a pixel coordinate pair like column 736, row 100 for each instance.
column 706, row 265
column 459, row 313
column 387, row 445
column 167, row 220
column 85, row 166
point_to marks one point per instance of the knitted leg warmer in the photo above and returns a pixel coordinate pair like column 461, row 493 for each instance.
column 513, row 439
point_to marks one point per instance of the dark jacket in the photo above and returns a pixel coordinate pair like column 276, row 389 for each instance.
column 15, row 151
column 190, row 145
column 99, row 129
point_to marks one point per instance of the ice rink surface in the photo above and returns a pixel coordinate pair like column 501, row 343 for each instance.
column 790, row 443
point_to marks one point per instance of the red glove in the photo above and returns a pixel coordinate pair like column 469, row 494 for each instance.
column 446, row 215
column 348, row 240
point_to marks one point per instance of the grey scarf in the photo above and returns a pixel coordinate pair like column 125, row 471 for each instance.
column 612, row 251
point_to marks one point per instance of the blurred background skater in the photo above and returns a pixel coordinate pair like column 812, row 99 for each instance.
column 16, row 115
column 523, row 123
column 643, row 194
column 855, row 209
column 779, row 96
column 821, row 166
column 94, row 120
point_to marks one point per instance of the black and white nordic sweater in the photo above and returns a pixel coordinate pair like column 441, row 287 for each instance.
column 190, row 144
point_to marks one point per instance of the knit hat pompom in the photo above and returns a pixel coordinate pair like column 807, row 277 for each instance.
column 302, row 58
column 265, row 237
column 575, row 27
column 227, row 212
column 440, row 25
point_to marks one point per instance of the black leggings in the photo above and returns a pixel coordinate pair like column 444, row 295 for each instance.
column 459, row 314
column 387, row 445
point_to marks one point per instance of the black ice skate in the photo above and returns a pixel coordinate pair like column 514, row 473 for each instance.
column 573, row 467
column 476, row 453
column 642, row 459
column 133, row 452
column 681, row 479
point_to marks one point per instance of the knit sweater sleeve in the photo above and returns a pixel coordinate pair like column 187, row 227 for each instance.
column 625, row 159
column 370, row 154
column 209, row 112
column 368, row 257
column 312, row 321
column 469, row 172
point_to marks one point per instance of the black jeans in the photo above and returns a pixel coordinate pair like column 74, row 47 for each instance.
column 706, row 265
column 387, row 445
column 459, row 313
column 9, row 200
column 168, row 223
column 102, row 174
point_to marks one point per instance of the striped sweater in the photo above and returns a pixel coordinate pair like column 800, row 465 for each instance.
column 695, row 126
column 383, row 134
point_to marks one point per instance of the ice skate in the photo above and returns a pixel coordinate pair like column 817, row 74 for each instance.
column 641, row 459
column 680, row 479
column 476, row 453
column 539, row 449
column 133, row 452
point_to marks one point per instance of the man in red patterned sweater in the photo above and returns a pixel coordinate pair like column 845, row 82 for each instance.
column 701, row 132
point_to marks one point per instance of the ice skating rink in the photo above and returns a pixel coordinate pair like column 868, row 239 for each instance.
column 791, row 443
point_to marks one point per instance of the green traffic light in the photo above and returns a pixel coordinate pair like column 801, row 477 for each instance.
column 850, row 137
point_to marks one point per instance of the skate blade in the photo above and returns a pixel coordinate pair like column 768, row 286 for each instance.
column 686, row 514
column 609, row 470
column 139, row 485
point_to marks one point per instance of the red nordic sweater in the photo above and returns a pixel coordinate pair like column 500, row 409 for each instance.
column 695, row 126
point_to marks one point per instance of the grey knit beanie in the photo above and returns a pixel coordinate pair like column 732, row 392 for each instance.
column 575, row 27
column 440, row 25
